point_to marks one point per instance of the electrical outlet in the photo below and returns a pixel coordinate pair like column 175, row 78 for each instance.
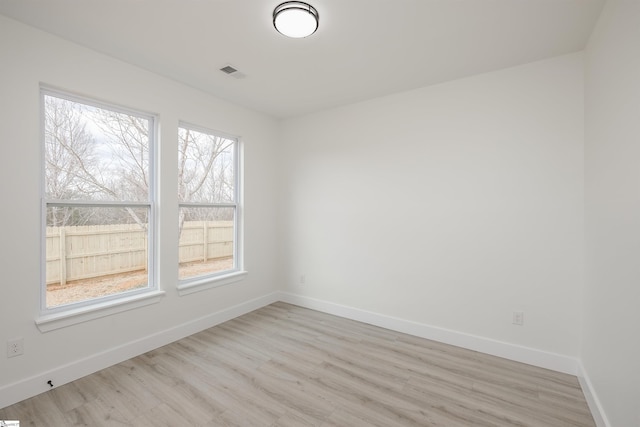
column 303, row 279
column 15, row 347
column 518, row 318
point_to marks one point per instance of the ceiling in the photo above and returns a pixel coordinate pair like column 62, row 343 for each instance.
column 362, row 49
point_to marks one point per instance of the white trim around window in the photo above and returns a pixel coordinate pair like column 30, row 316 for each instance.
column 193, row 199
column 64, row 192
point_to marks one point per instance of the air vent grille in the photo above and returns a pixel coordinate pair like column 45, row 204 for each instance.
column 228, row 69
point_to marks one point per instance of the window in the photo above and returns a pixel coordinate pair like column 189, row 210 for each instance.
column 98, row 211
column 208, row 202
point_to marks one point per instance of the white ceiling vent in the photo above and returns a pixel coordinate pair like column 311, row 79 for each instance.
column 233, row 72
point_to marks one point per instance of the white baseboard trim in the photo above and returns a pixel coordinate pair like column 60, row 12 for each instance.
column 32, row 386
column 24, row 389
column 531, row 356
column 599, row 416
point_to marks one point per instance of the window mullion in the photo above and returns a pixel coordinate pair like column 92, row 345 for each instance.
column 96, row 204
column 207, row 205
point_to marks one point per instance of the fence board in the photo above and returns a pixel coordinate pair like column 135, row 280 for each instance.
column 81, row 252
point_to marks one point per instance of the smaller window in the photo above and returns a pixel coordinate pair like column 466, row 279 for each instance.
column 208, row 204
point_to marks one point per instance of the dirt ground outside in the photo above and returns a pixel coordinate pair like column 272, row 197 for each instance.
column 80, row 290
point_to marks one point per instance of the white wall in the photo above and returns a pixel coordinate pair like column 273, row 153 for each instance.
column 29, row 57
column 451, row 206
column 611, row 347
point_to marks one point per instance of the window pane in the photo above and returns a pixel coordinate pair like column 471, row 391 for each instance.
column 94, row 252
column 93, row 153
column 207, row 241
column 205, row 168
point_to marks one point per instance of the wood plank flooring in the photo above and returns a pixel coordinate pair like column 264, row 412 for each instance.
column 284, row 365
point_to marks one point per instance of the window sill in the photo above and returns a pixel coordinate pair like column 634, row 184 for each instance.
column 205, row 283
column 50, row 322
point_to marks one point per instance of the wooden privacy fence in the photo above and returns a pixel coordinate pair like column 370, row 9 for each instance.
column 82, row 252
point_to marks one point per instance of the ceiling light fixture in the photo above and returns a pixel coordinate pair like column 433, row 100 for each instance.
column 295, row 19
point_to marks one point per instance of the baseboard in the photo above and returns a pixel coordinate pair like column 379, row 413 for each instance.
column 599, row 416
column 24, row 389
column 531, row 356
column 36, row 384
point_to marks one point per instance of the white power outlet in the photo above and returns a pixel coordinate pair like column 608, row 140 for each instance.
column 518, row 318
column 15, row 347
column 303, row 279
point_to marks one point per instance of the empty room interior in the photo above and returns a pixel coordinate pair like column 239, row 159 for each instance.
column 408, row 213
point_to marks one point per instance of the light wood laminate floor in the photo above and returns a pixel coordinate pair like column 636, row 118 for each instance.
column 284, row 365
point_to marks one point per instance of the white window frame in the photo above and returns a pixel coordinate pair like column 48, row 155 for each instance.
column 237, row 273
column 51, row 318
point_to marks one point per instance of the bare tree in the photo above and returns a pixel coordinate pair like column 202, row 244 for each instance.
column 128, row 138
column 68, row 153
column 94, row 154
column 205, row 174
column 103, row 155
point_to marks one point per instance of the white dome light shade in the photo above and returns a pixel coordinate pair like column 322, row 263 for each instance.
column 295, row 19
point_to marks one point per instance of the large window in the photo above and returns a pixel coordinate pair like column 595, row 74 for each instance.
column 97, row 201
column 208, row 203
